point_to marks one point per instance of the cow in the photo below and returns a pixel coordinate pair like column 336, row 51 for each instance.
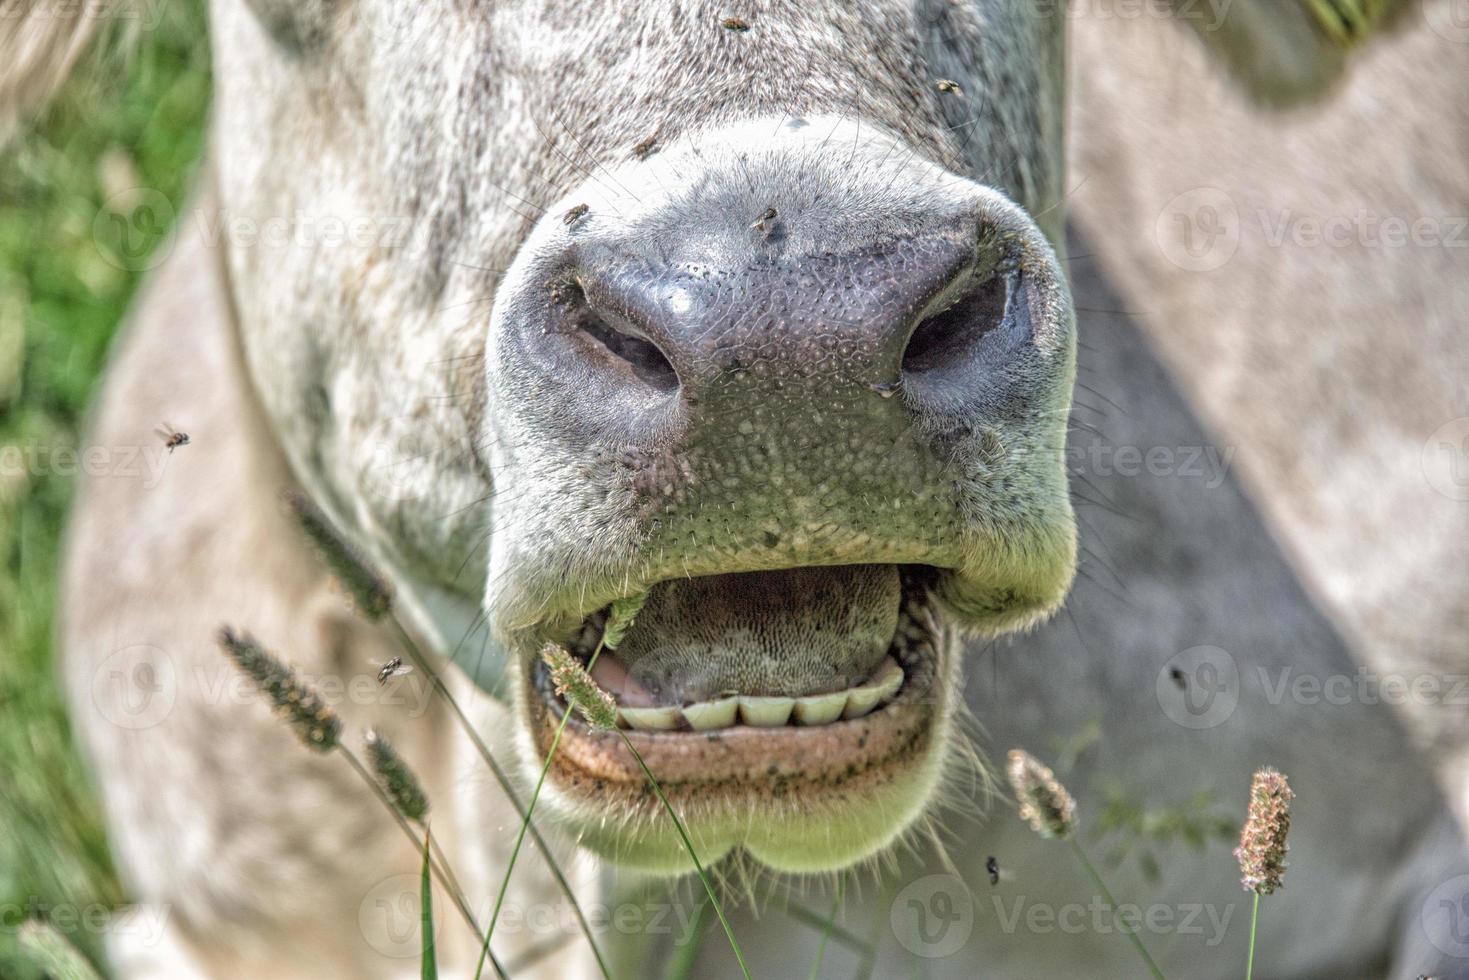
column 765, row 316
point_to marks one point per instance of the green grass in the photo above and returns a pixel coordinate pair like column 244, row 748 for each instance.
column 131, row 115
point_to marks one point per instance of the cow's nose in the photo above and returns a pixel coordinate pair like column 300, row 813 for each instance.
column 706, row 322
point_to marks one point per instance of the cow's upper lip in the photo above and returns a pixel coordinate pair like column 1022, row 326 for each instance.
column 684, row 759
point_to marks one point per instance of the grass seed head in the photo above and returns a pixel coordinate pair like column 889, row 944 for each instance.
column 1044, row 802
column 576, row 685
column 396, row 779
column 298, row 703
column 370, row 592
column 620, row 619
column 1262, row 846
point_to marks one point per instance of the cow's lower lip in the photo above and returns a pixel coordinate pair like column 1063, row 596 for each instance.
column 721, row 774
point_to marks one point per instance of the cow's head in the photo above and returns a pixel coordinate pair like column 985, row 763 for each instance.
column 742, row 306
column 749, row 307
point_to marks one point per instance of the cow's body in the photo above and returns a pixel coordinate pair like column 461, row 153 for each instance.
column 271, row 862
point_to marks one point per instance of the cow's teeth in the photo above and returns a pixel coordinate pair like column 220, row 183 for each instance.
column 707, row 715
column 821, row 709
column 889, row 678
column 650, row 719
column 881, row 685
column 766, row 712
column 770, row 712
column 861, row 701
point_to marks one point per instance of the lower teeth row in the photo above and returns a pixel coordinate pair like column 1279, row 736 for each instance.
column 771, row 712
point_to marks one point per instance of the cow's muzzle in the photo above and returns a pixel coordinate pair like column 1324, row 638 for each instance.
column 809, row 398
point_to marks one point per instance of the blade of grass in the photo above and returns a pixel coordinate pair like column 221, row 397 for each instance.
column 693, row 855
column 831, row 921
column 373, row 599
column 869, row 958
column 573, row 681
column 521, row 809
column 682, row 967
column 525, row 825
column 537, row 952
column 846, row 937
column 1254, row 921
column 440, row 869
column 430, row 965
column 1112, row 902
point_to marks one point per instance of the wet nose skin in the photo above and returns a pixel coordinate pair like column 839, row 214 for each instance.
column 652, row 347
column 825, row 319
column 878, row 375
column 765, row 397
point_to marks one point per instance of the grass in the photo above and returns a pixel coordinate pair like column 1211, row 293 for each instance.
column 574, row 683
column 124, row 119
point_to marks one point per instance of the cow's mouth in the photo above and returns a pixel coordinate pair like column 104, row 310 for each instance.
column 793, row 713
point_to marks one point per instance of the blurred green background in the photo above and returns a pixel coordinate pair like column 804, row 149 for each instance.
column 131, row 116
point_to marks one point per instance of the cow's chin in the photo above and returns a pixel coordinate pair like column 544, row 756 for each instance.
column 800, row 784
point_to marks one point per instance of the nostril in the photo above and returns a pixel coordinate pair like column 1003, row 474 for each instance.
column 617, row 341
column 949, row 340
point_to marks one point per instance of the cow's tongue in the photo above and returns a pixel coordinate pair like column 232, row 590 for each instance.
column 792, row 632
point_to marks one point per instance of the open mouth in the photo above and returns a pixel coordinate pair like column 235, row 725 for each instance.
column 660, row 687
column 836, row 731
